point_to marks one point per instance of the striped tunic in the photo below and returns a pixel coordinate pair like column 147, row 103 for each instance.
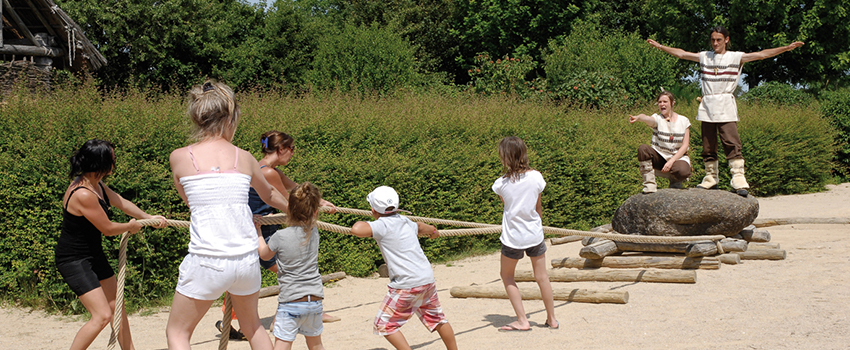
column 719, row 74
column 667, row 137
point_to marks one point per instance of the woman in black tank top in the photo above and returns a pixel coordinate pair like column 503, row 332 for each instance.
column 79, row 256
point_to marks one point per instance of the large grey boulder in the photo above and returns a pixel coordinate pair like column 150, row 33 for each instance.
column 691, row 212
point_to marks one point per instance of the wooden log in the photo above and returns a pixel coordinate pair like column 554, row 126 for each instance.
column 733, row 245
column 640, row 262
column 763, row 245
column 531, row 293
column 729, row 258
column 698, row 249
column 763, row 254
column 27, row 50
column 800, row 221
column 599, row 250
column 606, row 275
column 586, row 241
column 565, row 239
column 757, row 235
column 653, row 247
column 275, row 290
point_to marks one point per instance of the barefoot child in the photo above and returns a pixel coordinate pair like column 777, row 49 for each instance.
column 411, row 288
column 522, row 229
column 297, row 248
column 671, row 136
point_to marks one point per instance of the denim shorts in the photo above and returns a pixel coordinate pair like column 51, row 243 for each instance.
column 516, row 254
column 304, row 317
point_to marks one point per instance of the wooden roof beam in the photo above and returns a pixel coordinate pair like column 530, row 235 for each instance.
column 23, row 28
column 41, row 18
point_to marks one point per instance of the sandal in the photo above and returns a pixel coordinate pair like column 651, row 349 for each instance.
column 234, row 334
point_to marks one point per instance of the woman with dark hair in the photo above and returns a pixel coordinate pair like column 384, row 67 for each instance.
column 720, row 71
column 79, row 255
column 212, row 177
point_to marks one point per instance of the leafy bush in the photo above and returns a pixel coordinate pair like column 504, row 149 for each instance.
column 777, row 93
column 365, row 59
column 441, row 160
column 592, row 89
column 835, row 107
column 504, row 75
column 642, row 70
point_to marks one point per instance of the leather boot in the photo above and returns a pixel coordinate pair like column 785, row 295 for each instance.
column 648, row 174
column 709, row 182
column 739, row 182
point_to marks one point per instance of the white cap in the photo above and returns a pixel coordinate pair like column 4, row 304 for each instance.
column 383, row 200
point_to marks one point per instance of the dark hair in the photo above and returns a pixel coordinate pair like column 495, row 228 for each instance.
column 95, row 156
column 669, row 95
column 213, row 109
column 303, row 203
column 722, row 30
column 274, row 140
column 514, row 157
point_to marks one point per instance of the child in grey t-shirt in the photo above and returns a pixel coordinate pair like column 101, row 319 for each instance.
column 411, row 288
column 297, row 247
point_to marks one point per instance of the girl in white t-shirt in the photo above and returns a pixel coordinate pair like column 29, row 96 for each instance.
column 669, row 150
column 522, row 229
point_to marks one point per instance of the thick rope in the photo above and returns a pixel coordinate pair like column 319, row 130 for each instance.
column 225, row 322
column 480, row 228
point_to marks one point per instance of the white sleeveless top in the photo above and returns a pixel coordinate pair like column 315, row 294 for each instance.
column 719, row 74
column 221, row 222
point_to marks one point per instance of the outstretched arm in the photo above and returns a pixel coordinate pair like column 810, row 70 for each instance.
column 643, row 118
column 679, row 53
column 768, row 53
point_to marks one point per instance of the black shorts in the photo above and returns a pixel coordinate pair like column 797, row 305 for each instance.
column 516, row 254
column 84, row 275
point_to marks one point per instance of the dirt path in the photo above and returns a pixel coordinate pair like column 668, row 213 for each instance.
column 800, row 302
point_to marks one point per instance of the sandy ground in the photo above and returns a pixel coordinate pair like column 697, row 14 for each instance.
column 802, row 302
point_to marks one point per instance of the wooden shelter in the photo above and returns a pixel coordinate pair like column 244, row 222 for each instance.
column 42, row 33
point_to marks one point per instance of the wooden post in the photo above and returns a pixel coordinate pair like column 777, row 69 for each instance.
column 763, row 245
column 599, row 249
column 729, row 259
column 698, row 249
column 528, row 293
column 641, row 262
column 565, row 239
column 762, row 254
column 610, row 275
column 733, row 245
column 757, row 235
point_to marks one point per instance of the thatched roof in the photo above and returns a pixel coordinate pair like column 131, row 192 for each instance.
column 39, row 28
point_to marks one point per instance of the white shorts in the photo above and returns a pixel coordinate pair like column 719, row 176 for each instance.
column 206, row 277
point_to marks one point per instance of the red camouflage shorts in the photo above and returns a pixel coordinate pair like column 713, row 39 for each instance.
column 400, row 304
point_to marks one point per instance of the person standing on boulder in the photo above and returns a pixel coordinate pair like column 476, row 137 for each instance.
column 720, row 71
column 668, row 152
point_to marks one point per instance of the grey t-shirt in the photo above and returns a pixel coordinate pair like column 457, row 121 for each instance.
column 297, row 263
column 407, row 264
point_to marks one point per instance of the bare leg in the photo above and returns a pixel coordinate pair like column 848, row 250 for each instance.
column 448, row 335
column 97, row 304
column 538, row 266
column 245, row 307
column 315, row 343
column 398, row 341
column 182, row 320
column 280, row 344
column 507, row 270
column 110, row 288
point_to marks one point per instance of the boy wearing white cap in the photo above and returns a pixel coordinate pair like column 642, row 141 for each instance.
column 411, row 288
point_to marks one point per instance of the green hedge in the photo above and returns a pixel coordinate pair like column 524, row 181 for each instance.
column 438, row 152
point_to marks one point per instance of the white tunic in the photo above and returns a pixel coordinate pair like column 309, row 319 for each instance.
column 667, row 137
column 719, row 74
column 221, row 222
